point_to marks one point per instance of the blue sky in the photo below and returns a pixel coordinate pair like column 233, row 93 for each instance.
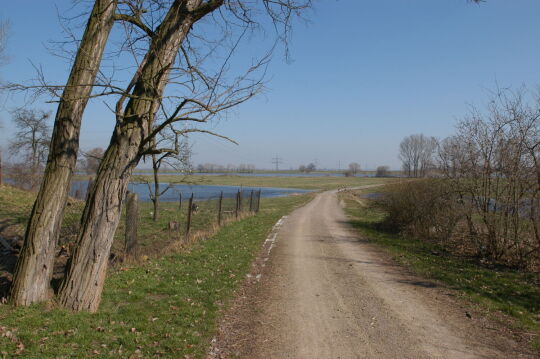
column 363, row 75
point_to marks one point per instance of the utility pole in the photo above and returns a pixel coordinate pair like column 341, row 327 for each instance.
column 277, row 161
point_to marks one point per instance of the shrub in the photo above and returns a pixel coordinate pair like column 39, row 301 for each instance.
column 423, row 209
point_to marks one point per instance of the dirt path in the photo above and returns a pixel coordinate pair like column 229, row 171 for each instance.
column 325, row 293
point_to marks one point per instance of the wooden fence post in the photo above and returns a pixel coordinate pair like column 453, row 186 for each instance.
column 180, row 201
column 236, row 206
column 240, row 193
column 190, row 209
column 220, row 201
column 258, row 201
column 251, row 201
column 132, row 219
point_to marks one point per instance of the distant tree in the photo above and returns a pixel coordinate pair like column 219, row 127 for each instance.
column 245, row 168
column 32, row 139
column 382, row 171
column 92, row 159
column 177, row 158
column 354, row 168
column 416, row 153
column 307, row 168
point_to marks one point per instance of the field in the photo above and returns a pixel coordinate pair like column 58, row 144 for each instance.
column 313, row 183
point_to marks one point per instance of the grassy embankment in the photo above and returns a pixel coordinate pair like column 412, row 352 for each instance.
column 314, row 183
column 493, row 288
column 165, row 308
column 16, row 205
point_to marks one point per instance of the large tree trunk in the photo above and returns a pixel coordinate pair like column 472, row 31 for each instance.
column 83, row 284
column 34, row 268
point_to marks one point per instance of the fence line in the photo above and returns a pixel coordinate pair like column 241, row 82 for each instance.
column 137, row 232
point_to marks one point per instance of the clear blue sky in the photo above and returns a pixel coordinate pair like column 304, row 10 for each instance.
column 364, row 75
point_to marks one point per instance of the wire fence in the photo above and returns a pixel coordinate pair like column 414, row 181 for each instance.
column 189, row 217
column 141, row 231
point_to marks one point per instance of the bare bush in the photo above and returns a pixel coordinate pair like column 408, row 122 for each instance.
column 308, row 168
column 382, row 171
column 20, row 175
column 426, row 209
column 494, row 162
column 489, row 197
column 354, row 168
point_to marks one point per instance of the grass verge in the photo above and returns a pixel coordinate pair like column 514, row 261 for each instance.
column 316, row 183
column 493, row 288
column 164, row 308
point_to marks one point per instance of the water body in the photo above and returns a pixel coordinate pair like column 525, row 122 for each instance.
column 200, row 192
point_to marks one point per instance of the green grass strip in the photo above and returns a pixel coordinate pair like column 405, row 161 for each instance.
column 166, row 308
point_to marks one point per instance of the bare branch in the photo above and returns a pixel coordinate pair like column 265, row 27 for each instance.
column 135, row 21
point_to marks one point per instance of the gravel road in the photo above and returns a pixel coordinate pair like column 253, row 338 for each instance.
column 323, row 292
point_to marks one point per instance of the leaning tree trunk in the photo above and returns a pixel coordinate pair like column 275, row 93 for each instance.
column 81, row 288
column 34, row 267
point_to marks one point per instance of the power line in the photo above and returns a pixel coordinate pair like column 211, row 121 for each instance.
column 277, row 161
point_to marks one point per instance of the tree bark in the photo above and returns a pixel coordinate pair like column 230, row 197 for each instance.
column 34, row 267
column 83, row 284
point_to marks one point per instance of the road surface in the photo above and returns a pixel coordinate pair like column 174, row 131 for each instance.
column 325, row 293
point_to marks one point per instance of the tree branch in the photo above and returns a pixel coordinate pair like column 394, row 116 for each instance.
column 135, row 21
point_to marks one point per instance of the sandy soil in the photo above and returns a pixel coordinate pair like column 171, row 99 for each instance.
column 319, row 291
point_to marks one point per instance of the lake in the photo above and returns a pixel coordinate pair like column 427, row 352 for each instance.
column 200, row 192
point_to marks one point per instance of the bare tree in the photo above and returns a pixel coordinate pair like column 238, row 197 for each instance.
column 179, row 159
column 493, row 164
column 91, row 160
column 382, row 171
column 354, row 168
column 32, row 140
column 136, row 128
column 416, row 154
